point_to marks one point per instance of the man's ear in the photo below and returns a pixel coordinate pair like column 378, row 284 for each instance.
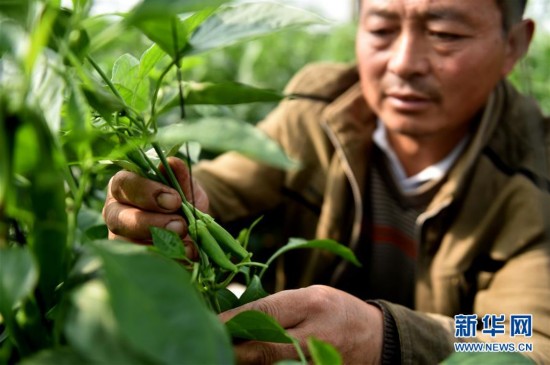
column 518, row 40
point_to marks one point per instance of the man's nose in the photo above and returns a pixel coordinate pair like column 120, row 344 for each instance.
column 409, row 56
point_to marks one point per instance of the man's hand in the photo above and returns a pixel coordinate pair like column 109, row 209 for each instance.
column 354, row 327
column 135, row 203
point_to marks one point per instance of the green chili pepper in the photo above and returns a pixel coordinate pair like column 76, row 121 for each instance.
column 226, row 241
column 208, row 244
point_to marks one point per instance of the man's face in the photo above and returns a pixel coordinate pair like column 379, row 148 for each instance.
column 428, row 66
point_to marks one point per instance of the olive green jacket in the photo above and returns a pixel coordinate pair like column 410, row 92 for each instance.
column 484, row 244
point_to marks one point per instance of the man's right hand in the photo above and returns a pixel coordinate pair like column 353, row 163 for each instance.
column 134, row 204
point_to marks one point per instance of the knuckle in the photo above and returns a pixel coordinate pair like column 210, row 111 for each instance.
column 118, row 182
column 319, row 298
column 266, row 306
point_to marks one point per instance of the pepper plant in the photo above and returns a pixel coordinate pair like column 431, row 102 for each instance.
column 68, row 295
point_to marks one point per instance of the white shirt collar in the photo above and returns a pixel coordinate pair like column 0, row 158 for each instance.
column 434, row 172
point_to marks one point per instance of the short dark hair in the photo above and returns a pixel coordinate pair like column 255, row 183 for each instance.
column 512, row 11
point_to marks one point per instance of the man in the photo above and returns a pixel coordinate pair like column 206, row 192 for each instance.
column 421, row 159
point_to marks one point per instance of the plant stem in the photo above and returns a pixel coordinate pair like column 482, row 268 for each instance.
column 299, row 350
column 157, row 89
column 154, row 168
column 195, row 273
column 171, row 176
column 252, row 263
column 214, row 302
column 181, row 95
column 225, row 283
column 129, row 111
column 104, row 77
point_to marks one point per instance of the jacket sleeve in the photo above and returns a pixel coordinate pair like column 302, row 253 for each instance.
column 240, row 187
column 423, row 338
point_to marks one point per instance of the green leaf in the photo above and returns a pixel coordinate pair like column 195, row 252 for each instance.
column 253, row 292
column 63, row 30
column 133, row 89
column 238, row 23
column 90, row 224
column 103, row 102
column 149, row 59
column 60, row 356
column 126, row 165
column 88, row 218
column 27, row 151
column 329, row 245
column 15, row 9
column 91, row 327
column 47, row 89
column 168, row 243
column 258, row 326
column 77, row 112
column 149, row 9
column 39, row 35
column 474, row 358
column 18, row 277
column 157, row 310
column 82, row 6
column 323, row 353
column 225, row 93
column 99, row 232
column 227, row 299
column 224, row 134
column 163, row 30
column 244, row 235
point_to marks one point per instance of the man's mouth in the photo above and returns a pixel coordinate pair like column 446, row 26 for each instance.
column 409, row 102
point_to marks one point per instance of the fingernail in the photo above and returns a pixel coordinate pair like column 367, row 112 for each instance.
column 175, row 226
column 167, row 201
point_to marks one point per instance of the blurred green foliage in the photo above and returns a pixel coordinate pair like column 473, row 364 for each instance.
column 532, row 75
column 271, row 61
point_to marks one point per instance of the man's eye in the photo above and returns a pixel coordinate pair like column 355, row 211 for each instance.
column 444, row 36
column 381, row 32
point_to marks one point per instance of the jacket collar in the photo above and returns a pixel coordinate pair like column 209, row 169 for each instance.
column 511, row 129
column 352, row 123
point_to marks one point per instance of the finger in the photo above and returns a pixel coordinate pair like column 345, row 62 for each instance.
column 279, row 306
column 131, row 189
column 193, row 192
column 255, row 352
column 190, row 249
column 133, row 223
